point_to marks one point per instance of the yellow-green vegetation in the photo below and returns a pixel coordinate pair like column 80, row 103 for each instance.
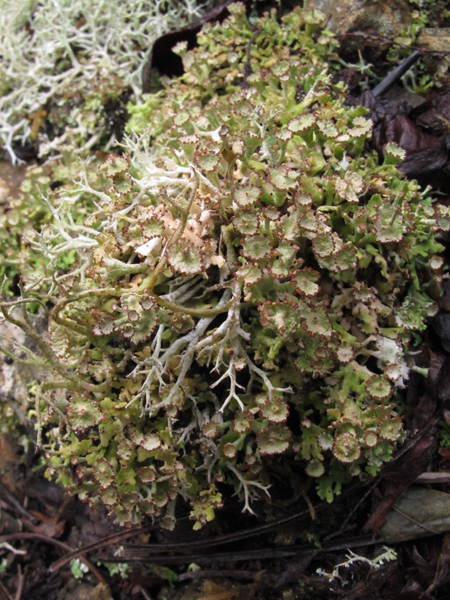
column 243, row 291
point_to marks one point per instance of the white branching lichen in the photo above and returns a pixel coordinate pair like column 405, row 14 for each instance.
column 63, row 56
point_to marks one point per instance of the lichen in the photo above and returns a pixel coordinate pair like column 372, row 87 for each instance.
column 67, row 66
column 243, row 291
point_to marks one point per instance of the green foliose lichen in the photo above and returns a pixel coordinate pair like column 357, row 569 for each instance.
column 243, row 293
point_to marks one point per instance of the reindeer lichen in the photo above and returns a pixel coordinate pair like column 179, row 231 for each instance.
column 243, row 292
column 66, row 64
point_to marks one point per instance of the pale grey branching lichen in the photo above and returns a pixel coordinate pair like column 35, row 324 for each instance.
column 62, row 61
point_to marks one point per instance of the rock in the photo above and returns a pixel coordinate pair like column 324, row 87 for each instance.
column 84, row 591
column 15, row 377
column 438, row 40
column 382, row 19
column 436, row 120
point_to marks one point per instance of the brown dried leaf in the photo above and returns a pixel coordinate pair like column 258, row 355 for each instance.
column 420, row 512
column 49, row 526
column 403, row 473
column 212, row 591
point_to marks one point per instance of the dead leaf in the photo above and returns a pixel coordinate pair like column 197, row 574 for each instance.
column 212, row 591
column 419, row 512
column 442, row 576
column 399, row 479
column 49, row 526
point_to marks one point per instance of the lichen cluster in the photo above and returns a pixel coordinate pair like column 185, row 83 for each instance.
column 33, row 205
column 243, row 293
column 66, row 65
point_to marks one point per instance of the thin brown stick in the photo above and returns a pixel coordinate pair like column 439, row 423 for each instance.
column 433, row 478
column 358, row 541
column 48, row 540
column 230, row 537
column 106, row 541
column 418, row 523
column 230, row 573
column 4, row 594
column 144, row 593
column 351, row 513
column 409, row 445
column 20, row 583
column 10, row 499
column 161, row 548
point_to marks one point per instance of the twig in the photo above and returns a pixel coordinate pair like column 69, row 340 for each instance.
column 231, row 556
column 210, row 573
column 392, row 77
column 144, row 593
column 259, row 554
column 20, row 583
column 159, row 548
column 434, row 478
column 152, row 549
column 4, row 594
column 418, row 523
column 49, row 540
column 107, row 541
column 7, row 497
column 352, row 512
column 390, row 467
